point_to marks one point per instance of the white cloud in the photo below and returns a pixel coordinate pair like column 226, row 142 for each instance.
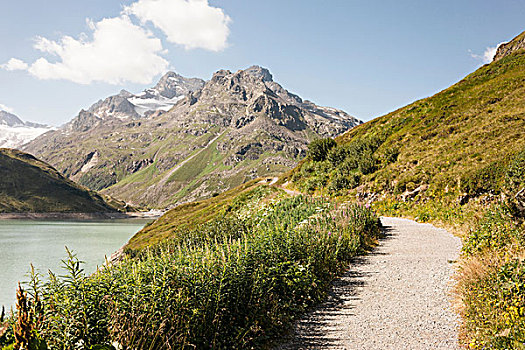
column 191, row 23
column 115, row 50
column 14, row 64
column 5, row 108
column 119, row 51
column 488, row 55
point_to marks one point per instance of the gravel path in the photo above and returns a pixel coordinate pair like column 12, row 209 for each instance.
column 394, row 298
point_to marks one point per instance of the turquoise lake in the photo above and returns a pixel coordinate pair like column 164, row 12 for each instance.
column 43, row 243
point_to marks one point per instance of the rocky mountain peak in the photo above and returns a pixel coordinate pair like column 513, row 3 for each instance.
column 259, row 72
column 218, row 76
column 239, row 124
column 84, row 121
column 516, row 44
column 125, row 93
column 9, row 119
column 174, row 85
column 14, row 132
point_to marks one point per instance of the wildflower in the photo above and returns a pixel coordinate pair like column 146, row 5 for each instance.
column 367, row 206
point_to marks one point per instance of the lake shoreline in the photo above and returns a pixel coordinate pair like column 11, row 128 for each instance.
column 80, row 216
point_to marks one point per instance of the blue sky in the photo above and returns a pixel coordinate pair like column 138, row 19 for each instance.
column 365, row 57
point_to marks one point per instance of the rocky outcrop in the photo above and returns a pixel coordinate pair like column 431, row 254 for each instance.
column 516, row 44
column 174, row 85
column 117, row 106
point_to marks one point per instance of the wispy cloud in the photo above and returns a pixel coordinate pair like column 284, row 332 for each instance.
column 117, row 50
column 190, row 23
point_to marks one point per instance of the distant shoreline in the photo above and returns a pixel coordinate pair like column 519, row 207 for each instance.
column 80, row 216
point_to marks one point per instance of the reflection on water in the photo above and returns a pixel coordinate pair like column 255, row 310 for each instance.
column 43, row 243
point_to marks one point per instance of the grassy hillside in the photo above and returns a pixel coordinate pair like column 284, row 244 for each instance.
column 458, row 159
column 442, row 141
column 30, row 185
column 190, row 215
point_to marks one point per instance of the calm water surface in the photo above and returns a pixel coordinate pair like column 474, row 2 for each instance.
column 43, row 243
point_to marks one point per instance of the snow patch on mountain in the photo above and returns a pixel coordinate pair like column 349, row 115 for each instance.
column 144, row 105
column 14, row 132
column 16, row 136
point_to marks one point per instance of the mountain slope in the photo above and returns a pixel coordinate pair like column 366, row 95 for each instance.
column 14, row 132
column 440, row 143
column 235, row 127
column 30, row 185
column 457, row 159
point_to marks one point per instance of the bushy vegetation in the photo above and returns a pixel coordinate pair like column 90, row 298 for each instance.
column 492, row 282
column 339, row 167
column 318, row 149
column 235, row 282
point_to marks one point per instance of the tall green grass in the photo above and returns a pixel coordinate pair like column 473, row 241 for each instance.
column 233, row 283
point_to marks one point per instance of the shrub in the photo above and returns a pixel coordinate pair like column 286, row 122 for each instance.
column 318, row 149
column 342, row 182
column 496, row 232
column 367, row 165
column 515, row 174
column 483, row 180
column 337, row 155
column 515, row 184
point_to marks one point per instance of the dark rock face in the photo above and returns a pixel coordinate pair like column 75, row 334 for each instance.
column 217, row 135
column 137, row 165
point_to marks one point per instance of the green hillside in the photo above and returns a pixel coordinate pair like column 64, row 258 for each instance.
column 442, row 142
column 191, row 215
column 456, row 159
column 30, row 185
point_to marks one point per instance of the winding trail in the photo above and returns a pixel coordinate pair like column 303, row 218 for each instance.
column 397, row 297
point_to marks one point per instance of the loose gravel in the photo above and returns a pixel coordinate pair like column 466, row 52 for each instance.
column 397, row 297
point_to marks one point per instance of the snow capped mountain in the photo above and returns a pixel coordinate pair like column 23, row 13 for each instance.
column 171, row 88
column 9, row 119
column 14, row 132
